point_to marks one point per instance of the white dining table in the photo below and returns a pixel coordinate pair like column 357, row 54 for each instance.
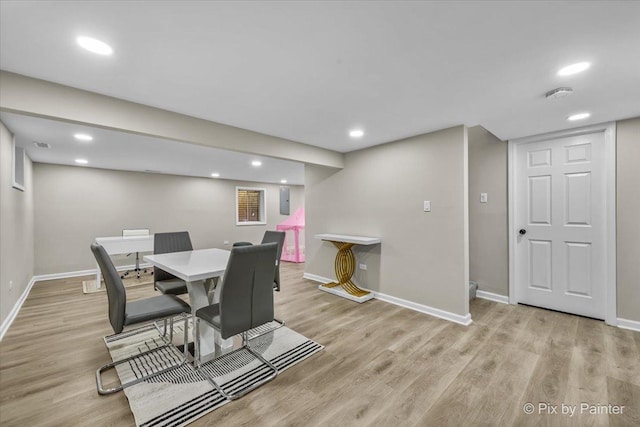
column 200, row 269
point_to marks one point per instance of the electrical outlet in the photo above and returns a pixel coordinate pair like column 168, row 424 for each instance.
column 363, row 266
column 427, row 206
column 226, row 242
column 483, row 197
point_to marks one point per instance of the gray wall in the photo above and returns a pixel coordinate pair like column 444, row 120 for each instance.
column 423, row 257
column 628, row 218
column 73, row 205
column 16, row 228
column 488, row 231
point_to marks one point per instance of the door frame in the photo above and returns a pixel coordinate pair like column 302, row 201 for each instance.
column 609, row 130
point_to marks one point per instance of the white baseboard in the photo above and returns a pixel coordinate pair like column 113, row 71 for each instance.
column 632, row 325
column 16, row 308
column 79, row 273
column 442, row 314
column 492, row 297
column 18, row 305
column 67, row 274
column 317, row 278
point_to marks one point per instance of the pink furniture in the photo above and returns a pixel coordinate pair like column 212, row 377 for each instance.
column 293, row 225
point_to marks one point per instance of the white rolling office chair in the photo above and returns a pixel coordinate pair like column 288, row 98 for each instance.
column 132, row 234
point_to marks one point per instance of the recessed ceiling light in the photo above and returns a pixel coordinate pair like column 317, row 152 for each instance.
column 573, row 68
column 256, row 163
column 283, row 181
column 82, row 161
column 215, row 175
column 579, row 116
column 356, row 133
column 94, row 45
column 83, row 137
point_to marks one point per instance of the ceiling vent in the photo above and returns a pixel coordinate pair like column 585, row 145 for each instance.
column 41, row 144
column 560, row 92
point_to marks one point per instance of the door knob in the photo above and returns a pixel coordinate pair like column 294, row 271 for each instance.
column 522, row 232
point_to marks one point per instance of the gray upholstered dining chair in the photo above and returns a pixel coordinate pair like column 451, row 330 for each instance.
column 246, row 302
column 271, row 237
column 163, row 243
column 275, row 237
column 123, row 313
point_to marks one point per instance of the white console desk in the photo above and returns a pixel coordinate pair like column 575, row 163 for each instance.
column 345, row 266
column 123, row 245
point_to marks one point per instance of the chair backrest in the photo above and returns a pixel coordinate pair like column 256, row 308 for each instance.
column 277, row 237
column 163, row 243
column 246, row 296
column 116, row 294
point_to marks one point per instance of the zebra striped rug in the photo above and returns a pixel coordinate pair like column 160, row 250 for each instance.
column 182, row 395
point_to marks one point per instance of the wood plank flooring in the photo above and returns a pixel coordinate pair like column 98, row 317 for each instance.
column 382, row 366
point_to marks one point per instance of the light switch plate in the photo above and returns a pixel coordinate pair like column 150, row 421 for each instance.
column 427, row 206
column 483, row 197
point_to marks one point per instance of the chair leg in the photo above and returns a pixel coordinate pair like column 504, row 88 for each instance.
column 103, row 391
column 245, row 345
column 196, row 341
column 186, row 337
column 280, row 325
column 263, row 360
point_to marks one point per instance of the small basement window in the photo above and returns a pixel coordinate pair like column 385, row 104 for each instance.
column 250, row 206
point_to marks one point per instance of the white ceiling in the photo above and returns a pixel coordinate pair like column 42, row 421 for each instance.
column 310, row 71
column 121, row 151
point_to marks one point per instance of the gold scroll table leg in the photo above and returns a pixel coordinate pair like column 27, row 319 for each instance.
column 345, row 266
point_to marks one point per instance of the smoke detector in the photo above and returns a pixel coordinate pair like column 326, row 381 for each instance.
column 560, row 92
column 41, row 144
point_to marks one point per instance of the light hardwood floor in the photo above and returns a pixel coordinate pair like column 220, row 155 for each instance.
column 382, row 366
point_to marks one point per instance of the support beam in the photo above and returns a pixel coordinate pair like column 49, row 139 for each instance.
column 33, row 97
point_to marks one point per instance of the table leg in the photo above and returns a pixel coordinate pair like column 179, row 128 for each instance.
column 200, row 296
column 345, row 266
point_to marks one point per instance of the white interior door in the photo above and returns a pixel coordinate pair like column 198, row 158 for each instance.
column 560, row 221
